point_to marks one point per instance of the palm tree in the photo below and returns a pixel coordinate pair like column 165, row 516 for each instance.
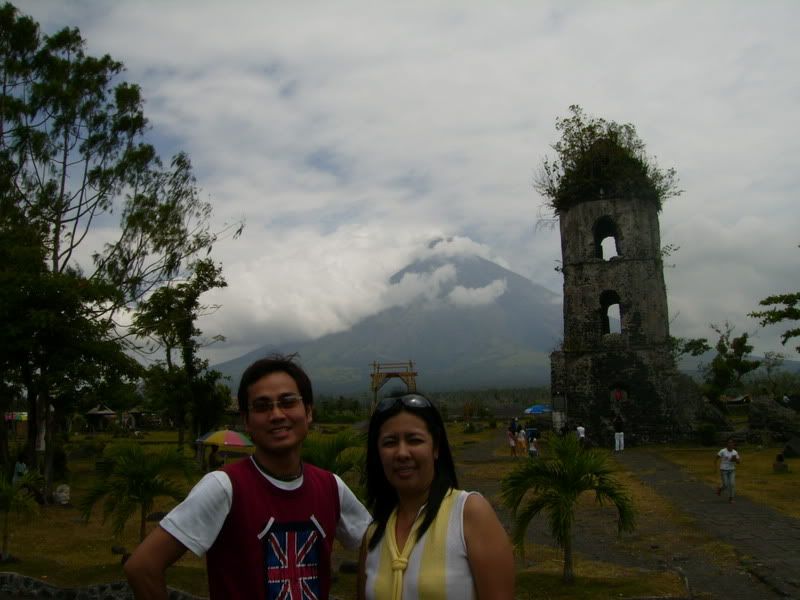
column 16, row 497
column 555, row 484
column 342, row 454
column 130, row 480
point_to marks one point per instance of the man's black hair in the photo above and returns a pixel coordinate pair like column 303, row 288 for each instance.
column 275, row 363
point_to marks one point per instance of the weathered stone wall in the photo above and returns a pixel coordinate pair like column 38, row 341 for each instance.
column 656, row 402
column 636, row 275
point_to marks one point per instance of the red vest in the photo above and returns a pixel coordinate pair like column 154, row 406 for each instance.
column 275, row 543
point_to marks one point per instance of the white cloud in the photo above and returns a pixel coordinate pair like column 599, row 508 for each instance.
column 425, row 287
column 350, row 135
column 463, row 296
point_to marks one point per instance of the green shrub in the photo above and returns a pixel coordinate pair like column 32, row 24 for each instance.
column 706, row 434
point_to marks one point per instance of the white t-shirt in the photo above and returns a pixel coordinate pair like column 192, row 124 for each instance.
column 581, row 430
column 726, row 457
column 197, row 520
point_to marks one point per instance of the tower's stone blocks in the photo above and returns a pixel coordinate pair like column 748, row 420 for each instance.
column 606, row 369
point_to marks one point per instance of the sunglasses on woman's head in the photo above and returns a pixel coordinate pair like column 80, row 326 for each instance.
column 409, row 401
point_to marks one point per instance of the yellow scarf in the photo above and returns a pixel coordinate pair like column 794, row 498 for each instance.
column 431, row 574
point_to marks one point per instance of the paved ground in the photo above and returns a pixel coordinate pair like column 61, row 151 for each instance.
column 767, row 544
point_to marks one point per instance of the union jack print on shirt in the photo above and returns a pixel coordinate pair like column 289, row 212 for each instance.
column 291, row 556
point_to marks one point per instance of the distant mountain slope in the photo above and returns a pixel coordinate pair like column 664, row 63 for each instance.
column 476, row 325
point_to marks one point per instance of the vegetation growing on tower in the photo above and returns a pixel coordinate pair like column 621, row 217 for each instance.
column 597, row 159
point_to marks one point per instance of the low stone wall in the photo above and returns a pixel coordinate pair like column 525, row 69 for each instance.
column 20, row 587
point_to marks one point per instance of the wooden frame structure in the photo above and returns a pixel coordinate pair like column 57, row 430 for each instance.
column 383, row 372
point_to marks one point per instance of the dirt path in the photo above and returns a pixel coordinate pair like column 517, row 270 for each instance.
column 766, row 564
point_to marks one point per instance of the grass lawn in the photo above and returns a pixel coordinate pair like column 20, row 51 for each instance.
column 754, row 476
column 58, row 546
column 62, row 549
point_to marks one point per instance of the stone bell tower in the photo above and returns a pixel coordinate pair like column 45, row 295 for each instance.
column 616, row 358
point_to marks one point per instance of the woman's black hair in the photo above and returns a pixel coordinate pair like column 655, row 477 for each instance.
column 381, row 496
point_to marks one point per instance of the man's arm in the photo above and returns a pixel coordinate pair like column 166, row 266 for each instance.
column 146, row 566
column 353, row 518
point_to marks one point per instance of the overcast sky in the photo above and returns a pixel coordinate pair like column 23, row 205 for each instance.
column 348, row 134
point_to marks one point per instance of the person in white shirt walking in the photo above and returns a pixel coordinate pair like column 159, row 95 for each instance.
column 728, row 458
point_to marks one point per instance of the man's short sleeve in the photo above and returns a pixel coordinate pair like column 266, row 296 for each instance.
column 197, row 520
column 353, row 519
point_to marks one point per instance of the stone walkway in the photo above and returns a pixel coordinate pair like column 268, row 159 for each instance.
column 767, row 544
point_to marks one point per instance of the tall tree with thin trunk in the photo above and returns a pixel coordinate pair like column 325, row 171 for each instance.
column 169, row 317
column 73, row 160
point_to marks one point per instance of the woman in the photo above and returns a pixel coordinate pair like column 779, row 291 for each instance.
column 428, row 540
column 522, row 442
column 512, row 441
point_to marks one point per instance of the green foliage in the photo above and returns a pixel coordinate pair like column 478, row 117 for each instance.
column 338, row 410
column 692, row 347
column 343, row 453
column 129, row 480
column 168, row 317
column 596, row 158
column 786, row 307
column 553, row 485
column 706, row 434
column 73, row 155
column 335, row 453
column 730, row 364
column 16, row 498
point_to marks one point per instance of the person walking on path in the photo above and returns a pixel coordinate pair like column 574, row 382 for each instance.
column 512, row 440
column 619, row 434
column 266, row 523
column 522, row 442
column 728, row 458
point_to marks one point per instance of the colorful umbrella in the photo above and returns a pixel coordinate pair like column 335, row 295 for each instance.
column 225, row 437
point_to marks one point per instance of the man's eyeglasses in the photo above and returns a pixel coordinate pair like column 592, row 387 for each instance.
column 409, row 401
column 263, row 405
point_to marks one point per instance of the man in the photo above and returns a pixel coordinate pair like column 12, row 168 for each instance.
column 728, row 458
column 265, row 523
column 619, row 434
column 580, row 431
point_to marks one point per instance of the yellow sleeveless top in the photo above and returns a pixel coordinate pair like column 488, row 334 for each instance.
column 433, row 568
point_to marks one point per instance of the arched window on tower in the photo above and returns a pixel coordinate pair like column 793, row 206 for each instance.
column 610, row 312
column 606, row 237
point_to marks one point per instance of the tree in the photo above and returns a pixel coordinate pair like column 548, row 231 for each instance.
column 596, row 158
column 130, row 480
column 73, row 156
column 684, row 346
column 786, row 307
column 168, row 317
column 342, row 454
column 730, row 364
column 333, row 453
column 16, row 498
column 554, row 484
